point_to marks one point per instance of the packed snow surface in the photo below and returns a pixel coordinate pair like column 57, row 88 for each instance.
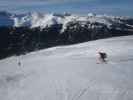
column 71, row 72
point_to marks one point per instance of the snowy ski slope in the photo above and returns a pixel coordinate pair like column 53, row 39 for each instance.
column 71, row 73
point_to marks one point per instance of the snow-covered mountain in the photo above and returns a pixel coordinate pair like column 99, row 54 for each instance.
column 41, row 20
column 27, row 32
column 70, row 73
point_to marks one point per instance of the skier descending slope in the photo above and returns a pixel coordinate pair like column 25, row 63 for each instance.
column 102, row 56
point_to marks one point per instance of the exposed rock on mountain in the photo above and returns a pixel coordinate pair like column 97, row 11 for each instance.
column 20, row 33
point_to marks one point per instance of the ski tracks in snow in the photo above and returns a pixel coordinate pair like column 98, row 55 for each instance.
column 60, row 89
column 82, row 91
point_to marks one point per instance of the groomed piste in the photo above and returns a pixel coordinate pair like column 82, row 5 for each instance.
column 70, row 72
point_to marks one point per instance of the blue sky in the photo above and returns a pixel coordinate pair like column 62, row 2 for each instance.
column 111, row 7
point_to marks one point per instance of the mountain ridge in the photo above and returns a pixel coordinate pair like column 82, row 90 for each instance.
column 21, row 33
column 42, row 20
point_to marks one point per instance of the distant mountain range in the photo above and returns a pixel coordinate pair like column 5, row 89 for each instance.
column 21, row 33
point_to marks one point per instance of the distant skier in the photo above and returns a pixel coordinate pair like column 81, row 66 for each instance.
column 19, row 63
column 102, row 56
